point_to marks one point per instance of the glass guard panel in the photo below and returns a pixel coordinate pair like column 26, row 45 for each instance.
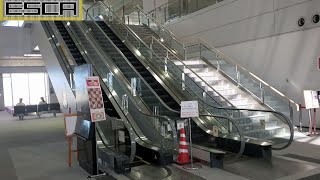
column 150, row 135
column 211, row 101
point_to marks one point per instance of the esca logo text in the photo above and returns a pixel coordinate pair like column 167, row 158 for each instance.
column 37, row 10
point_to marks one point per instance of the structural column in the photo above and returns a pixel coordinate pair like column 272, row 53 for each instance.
column 1, row 94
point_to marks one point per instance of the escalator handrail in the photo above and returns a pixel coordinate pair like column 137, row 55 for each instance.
column 136, row 37
column 242, row 139
column 61, row 54
column 141, row 41
column 136, row 72
column 88, row 59
column 287, row 121
column 155, row 116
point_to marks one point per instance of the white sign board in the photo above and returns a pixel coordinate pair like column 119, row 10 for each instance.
column 189, row 109
column 71, row 122
column 311, row 99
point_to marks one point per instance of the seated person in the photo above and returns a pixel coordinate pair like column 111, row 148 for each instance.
column 42, row 101
column 20, row 102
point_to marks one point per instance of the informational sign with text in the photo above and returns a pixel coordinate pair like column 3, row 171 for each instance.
column 311, row 99
column 189, row 109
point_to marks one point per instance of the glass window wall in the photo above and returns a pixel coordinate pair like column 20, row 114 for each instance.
column 29, row 86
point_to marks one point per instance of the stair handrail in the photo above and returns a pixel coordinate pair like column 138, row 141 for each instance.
column 227, row 58
column 140, row 40
column 237, row 109
column 175, row 37
column 247, row 72
column 287, row 120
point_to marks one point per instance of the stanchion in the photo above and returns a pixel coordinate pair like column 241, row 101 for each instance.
column 191, row 166
column 310, row 122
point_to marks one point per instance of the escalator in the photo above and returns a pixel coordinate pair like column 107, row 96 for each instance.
column 124, row 66
column 102, row 33
column 149, row 150
column 162, row 68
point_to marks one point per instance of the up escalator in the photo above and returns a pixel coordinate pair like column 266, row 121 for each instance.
column 150, row 151
column 260, row 135
column 102, row 32
column 127, row 70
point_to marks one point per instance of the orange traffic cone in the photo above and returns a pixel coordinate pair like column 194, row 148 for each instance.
column 183, row 157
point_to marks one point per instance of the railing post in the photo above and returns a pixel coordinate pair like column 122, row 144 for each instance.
column 291, row 112
column 300, row 118
column 200, row 50
column 238, row 75
column 139, row 17
column 218, row 63
column 261, row 93
column 183, row 79
column 180, row 8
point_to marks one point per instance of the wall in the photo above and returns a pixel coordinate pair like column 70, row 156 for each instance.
column 15, row 41
column 264, row 37
column 1, row 94
column 149, row 5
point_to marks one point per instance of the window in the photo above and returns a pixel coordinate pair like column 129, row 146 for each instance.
column 7, row 89
column 29, row 86
column 13, row 23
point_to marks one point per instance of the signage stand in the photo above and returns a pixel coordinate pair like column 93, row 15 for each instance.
column 97, row 112
column 190, row 109
column 311, row 99
column 191, row 166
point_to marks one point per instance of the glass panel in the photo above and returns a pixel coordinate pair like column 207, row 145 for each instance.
column 20, row 88
column 7, row 90
column 37, row 87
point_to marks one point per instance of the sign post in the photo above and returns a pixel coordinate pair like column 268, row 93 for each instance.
column 190, row 109
column 311, row 99
column 97, row 111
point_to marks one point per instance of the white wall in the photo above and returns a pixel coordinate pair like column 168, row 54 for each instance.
column 264, row 37
column 15, row 41
column 149, row 5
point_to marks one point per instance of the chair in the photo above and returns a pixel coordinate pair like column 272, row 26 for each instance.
column 31, row 109
column 19, row 111
column 42, row 108
column 54, row 108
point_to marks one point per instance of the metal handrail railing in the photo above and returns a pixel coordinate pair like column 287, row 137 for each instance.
column 136, row 72
column 140, row 111
column 287, row 121
column 141, row 41
column 154, row 116
column 205, row 82
column 227, row 58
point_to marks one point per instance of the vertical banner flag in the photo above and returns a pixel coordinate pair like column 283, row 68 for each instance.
column 95, row 99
